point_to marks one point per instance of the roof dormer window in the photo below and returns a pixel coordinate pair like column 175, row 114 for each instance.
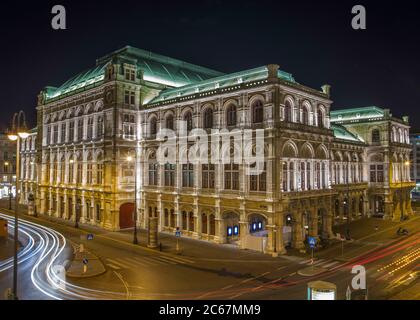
column 130, row 74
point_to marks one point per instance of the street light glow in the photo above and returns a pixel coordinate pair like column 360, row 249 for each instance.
column 23, row 134
column 12, row 137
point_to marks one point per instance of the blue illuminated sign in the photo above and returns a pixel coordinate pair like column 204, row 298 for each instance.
column 235, row 230
column 254, row 226
column 229, row 231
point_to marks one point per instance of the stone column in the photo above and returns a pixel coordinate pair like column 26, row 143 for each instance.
column 297, row 229
column 243, row 233
column 313, row 223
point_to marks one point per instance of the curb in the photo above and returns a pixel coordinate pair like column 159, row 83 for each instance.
column 310, row 272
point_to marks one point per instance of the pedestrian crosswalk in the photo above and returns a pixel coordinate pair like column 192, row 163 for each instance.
column 134, row 262
column 323, row 263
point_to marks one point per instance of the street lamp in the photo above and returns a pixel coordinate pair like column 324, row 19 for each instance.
column 6, row 164
column 19, row 131
column 130, row 159
column 406, row 163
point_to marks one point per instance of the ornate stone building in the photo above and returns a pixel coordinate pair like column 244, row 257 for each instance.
column 7, row 166
column 98, row 137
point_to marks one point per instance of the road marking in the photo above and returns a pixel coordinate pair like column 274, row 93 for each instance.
column 143, row 260
column 137, row 262
column 331, row 264
column 125, row 284
column 165, row 261
column 319, row 262
column 113, row 266
column 124, row 265
column 177, row 260
column 305, row 261
column 280, row 268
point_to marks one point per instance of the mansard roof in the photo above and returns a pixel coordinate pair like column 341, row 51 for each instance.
column 155, row 68
column 208, row 86
column 340, row 132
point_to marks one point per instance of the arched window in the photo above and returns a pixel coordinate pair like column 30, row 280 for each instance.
column 320, row 118
column 208, row 118
column 288, row 111
column 153, row 126
column 170, row 122
column 188, row 120
column 231, row 115
column 376, row 137
column 257, row 112
column 305, row 116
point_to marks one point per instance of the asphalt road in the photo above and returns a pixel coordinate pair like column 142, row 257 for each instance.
column 206, row 271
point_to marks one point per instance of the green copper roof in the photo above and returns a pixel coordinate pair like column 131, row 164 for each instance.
column 357, row 114
column 81, row 80
column 221, row 82
column 341, row 132
column 155, row 68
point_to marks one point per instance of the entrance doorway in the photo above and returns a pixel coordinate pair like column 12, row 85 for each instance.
column 231, row 221
column 126, row 215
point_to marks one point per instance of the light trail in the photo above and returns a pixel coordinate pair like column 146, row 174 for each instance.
column 47, row 246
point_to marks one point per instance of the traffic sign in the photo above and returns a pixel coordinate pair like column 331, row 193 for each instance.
column 85, row 261
column 90, row 236
column 177, row 233
column 312, row 242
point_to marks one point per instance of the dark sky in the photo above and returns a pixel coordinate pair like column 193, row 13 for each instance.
column 313, row 40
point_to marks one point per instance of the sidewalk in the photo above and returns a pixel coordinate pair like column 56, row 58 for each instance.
column 94, row 266
column 6, row 248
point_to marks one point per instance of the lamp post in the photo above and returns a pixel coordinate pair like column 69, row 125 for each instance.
column 406, row 163
column 130, row 159
column 6, row 164
column 19, row 131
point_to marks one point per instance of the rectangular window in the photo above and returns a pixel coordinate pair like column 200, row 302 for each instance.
column 207, row 176
column 63, row 132
column 99, row 173
column 80, row 130
column 130, row 74
column 129, row 97
column 232, row 176
column 169, row 175
column 376, row 173
column 153, row 174
column 89, row 173
column 188, row 175
column 258, row 182
column 71, row 132
column 55, row 137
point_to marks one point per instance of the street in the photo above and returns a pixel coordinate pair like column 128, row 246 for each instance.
column 201, row 270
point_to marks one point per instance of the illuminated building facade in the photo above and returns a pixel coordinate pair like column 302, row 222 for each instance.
column 7, row 166
column 100, row 128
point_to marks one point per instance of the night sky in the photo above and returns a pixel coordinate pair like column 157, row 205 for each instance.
column 313, row 40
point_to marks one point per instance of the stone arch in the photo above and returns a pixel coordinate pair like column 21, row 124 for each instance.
column 99, row 106
column 290, row 150
column 89, row 108
column 321, row 152
column 79, row 111
column 257, row 222
column 70, row 113
column 307, row 151
column 62, row 115
column 376, row 157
